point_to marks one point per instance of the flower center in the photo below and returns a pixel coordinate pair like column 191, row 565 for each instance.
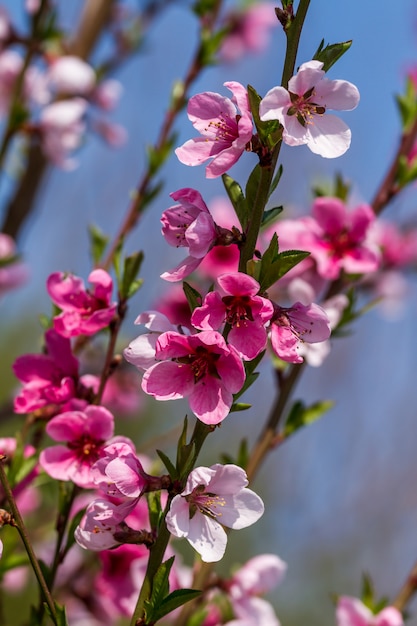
column 87, row 449
column 225, row 128
column 303, row 108
column 238, row 310
column 205, row 502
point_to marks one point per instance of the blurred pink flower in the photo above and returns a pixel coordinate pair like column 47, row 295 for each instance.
column 236, row 303
column 352, row 612
column 248, row 30
column 50, row 378
column 71, row 76
column 225, row 131
column 213, row 497
column 201, row 367
column 302, row 110
column 61, row 126
column 84, row 312
column 13, row 273
column 258, row 576
column 107, row 94
column 86, row 434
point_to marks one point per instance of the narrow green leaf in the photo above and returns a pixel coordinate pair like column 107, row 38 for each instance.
column 252, row 187
column 71, row 530
column 61, row 618
column 131, row 269
column 276, row 180
column 300, row 415
column 239, row 406
column 235, row 193
column 265, row 129
column 154, row 509
column 331, row 53
column 174, row 600
column 270, row 215
column 194, row 297
column 98, row 243
column 168, row 464
column 160, row 589
column 182, row 441
column 187, row 461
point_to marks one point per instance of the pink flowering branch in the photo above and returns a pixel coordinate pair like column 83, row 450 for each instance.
column 293, row 33
column 144, row 192
column 389, row 187
column 19, row 524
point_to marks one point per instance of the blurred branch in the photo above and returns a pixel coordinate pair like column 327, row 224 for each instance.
column 94, row 18
column 407, row 590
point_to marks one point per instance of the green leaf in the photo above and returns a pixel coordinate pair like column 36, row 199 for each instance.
column 187, row 460
column 194, row 297
column 407, row 104
column 182, row 441
column 368, row 593
column 130, row 284
column 276, row 180
column 160, row 589
column 266, row 130
column 154, row 509
column 174, row 600
column 331, row 53
column 252, row 187
column 300, row 415
column 235, row 193
column 240, row 406
column 157, row 156
column 98, row 243
column 274, row 264
column 61, row 618
column 71, row 530
column 270, row 215
column 168, row 464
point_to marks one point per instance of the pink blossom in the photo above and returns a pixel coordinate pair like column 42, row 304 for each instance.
column 237, row 304
column 50, row 378
column 98, row 526
column 62, row 127
column 72, row 76
column 221, row 259
column 213, row 497
column 85, row 434
column 174, row 305
column 107, row 94
column 201, row 367
column 13, row 273
column 84, row 312
column 225, row 131
column 141, row 351
column 258, row 576
column 249, row 31
column 302, row 110
column 340, row 239
column 352, row 612
column 113, row 134
column 291, row 326
column 188, row 225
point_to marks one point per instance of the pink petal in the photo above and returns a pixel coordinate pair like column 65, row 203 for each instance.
column 207, row 537
column 168, row 381
column 339, row 95
column 328, row 136
column 210, row 401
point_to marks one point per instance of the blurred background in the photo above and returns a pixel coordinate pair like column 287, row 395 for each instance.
column 341, row 494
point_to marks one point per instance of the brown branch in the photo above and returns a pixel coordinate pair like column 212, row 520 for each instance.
column 407, row 590
column 389, row 188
